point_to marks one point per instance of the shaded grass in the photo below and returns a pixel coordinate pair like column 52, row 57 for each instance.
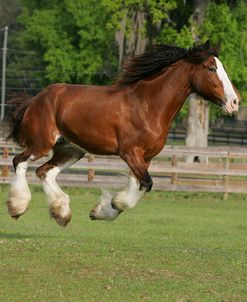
column 171, row 247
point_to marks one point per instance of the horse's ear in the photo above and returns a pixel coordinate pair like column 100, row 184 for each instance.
column 217, row 47
column 207, row 45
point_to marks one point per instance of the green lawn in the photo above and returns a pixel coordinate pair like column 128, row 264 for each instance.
column 171, row 247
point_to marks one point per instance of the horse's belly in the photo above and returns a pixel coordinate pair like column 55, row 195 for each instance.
column 96, row 144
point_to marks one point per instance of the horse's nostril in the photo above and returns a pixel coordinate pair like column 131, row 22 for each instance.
column 235, row 102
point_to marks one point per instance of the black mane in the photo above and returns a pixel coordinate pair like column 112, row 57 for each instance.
column 159, row 57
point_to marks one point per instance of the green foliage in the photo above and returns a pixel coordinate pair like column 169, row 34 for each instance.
column 76, row 39
column 178, row 30
column 229, row 27
column 156, row 10
column 156, row 13
column 70, row 37
column 170, row 35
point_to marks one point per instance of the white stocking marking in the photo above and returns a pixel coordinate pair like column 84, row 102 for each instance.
column 104, row 210
column 51, row 188
column 58, row 201
column 121, row 201
column 19, row 194
column 56, row 198
column 128, row 198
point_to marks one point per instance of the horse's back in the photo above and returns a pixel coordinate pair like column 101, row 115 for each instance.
column 85, row 115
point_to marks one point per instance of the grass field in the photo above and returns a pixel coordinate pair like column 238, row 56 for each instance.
column 171, row 247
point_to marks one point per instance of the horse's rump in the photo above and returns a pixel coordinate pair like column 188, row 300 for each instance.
column 16, row 107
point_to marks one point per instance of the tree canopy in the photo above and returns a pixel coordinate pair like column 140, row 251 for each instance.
column 70, row 38
column 80, row 41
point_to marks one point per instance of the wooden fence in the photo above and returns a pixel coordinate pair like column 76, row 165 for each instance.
column 226, row 170
column 217, row 136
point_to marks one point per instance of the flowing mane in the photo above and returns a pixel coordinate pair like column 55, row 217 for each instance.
column 159, row 57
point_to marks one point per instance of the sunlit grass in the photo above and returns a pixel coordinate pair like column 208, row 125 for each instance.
column 171, row 247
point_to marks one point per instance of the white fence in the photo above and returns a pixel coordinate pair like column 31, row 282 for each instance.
column 226, row 170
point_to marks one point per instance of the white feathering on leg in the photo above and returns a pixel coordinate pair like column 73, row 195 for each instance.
column 128, row 198
column 104, row 210
column 19, row 194
column 58, row 201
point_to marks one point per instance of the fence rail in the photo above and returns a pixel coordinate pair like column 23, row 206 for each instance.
column 226, row 136
column 226, row 170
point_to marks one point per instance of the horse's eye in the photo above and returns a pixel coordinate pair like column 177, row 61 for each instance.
column 212, row 69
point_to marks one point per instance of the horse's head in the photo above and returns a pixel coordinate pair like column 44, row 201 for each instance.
column 210, row 79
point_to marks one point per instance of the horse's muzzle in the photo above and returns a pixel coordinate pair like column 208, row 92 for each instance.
column 231, row 106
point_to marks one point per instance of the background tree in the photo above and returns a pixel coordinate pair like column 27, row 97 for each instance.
column 138, row 23
column 198, row 113
column 9, row 10
column 69, row 38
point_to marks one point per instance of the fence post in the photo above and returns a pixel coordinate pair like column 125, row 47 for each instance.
column 91, row 172
column 5, row 169
column 174, row 176
column 226, row 179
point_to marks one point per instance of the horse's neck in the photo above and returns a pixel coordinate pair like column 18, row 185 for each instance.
column 168, row 92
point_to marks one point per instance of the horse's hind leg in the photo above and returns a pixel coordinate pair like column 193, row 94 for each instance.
column 63, row 157
column 19, row 194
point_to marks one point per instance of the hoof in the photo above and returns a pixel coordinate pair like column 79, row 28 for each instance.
column 104, row 209
column 60, row 210
column 61, row 220
column 92, row 215
column 100, row 213
column 14, row 209
column 15, row 217
column 18, row 201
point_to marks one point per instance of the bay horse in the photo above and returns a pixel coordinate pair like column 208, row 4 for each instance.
column 129, row 118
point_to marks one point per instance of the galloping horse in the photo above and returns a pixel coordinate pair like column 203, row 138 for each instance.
column 130, row 118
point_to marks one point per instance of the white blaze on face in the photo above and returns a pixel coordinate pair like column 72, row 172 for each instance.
column 230, row 94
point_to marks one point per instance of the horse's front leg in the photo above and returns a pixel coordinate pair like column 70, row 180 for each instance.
column 129, row 197
column 139, row 182
column 111, row 206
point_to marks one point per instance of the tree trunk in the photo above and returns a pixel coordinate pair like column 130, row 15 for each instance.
column 141, row 40
column 120, row 38
column 135, row 42
column 197, row 124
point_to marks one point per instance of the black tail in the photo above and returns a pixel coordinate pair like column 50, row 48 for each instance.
column 16, row 108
